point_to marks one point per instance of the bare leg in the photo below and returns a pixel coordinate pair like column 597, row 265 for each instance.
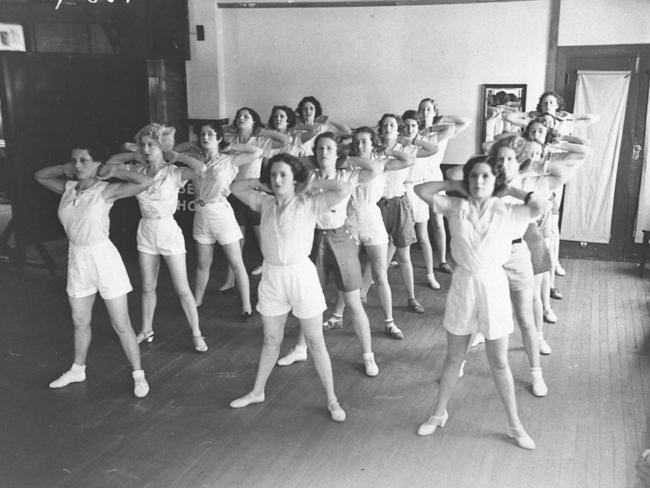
column 497, row 354
column 82, row 309
column 422, row 233
column 236, row 263
column 406, row 268
column 439, row 236
column 204, row 256
column 456, row 348
column 178, row 272
column 273, row 335
column 360, row 321
column 118, row 311
column 378, row 266
column 230, row 275
column 149, row 268
column 522, row 304
column 313, row 331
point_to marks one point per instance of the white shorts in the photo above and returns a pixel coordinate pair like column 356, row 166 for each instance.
column 97, row 268
column 160, row 237
column 420, row 207
column 479, row 303
column 370, row 226
column 286, row 288
column 216, row 222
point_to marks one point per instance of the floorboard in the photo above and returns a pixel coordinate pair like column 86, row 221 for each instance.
column 589, row 430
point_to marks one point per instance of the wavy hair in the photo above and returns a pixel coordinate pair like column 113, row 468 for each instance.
column 163, row 135
column 498, row 171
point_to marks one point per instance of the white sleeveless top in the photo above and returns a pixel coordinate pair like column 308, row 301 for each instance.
column 84, row 215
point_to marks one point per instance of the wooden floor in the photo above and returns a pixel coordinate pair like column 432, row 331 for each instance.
column 589, row 430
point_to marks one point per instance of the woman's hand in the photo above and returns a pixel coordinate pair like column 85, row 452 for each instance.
column 458, row 186
column 69, row 170
column 321, row 119
column 170, row 156
column 405, row 141
column 106, row 171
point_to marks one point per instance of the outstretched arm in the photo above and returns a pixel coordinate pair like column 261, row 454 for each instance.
column 398, row 160
column 279, row 139
column 54, row 177
column 520, row 119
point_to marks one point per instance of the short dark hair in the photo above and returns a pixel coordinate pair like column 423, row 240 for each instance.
column 291, row 116
column 257, row 120
column 364, row 130
column 549, row 93
column 299, row 170
column 213, row 124
column 397, row 118
column 316, row 103
column 97, row 151
column 497, row 170
column 327, row 135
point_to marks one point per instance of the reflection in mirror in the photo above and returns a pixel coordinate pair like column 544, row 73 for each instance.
column 497, row 101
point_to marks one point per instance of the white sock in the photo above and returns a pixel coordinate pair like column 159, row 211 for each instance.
column 76, row 368
column 368, row 355
column 138, row 374
column 536, row 373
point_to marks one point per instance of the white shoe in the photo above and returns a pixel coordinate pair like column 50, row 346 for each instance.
column 68, row 377
column 433, row 422
column 544, row 348
column 432, row 282
column 522, row 437
column 478, row 339
column 247, row 400
column 140, row 385
column 296, row 354
column 539, row 387
column 336, row 412
column 549, row 316
column 371, row 366
column 559, row 270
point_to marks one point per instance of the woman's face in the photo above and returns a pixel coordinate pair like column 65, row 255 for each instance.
column 308, row 112
column 481, row 181
column 411, row 128
column 245, row 120
column 150, row 149
column 532, row 150
column 427, row 111
column 508, row 158
column 84, row 165
column 538, row 132
column 208, row 137
column 326, row 152
column 363, row 144
column 549, row 104
column 389, row 126
column 280, row 119
column 282, row 179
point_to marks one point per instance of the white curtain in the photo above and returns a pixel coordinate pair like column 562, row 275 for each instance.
column 643, row 212
column 589, row 197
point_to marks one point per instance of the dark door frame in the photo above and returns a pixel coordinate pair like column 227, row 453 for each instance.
column 628, row 176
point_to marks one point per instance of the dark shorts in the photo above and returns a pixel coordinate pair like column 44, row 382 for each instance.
column 539, row 254
column 246, row 217
column 336, row 252
column 398, row 219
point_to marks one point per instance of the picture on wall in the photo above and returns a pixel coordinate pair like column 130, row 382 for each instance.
column 12, row 37
column 496, row 102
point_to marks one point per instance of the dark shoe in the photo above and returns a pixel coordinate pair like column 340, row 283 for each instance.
column 415, row 306
column 445, row 268
column 246, row 315
column 555, row 293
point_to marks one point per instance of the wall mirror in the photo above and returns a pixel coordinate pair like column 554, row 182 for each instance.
column 496, row 102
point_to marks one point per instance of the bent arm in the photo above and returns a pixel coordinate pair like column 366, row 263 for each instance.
column 333, row 190
column 54, row 177
column 133, row 183
column 427, row 191
column 520, row 119
column 398, row 160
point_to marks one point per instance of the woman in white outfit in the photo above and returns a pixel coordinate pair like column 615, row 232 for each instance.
column 158, row 233
column 365, row 217
column 440, row 128
column 94, row 264
column 214, row 219
column 481, row 229
column 289, row 279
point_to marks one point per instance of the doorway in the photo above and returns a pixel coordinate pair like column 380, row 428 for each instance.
column 636, row 60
